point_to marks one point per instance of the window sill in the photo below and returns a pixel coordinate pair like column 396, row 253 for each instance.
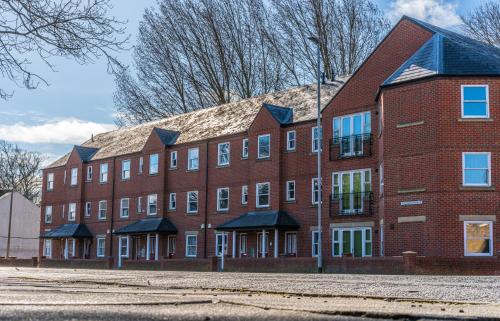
column 291, row 151
column 263, row 159
column 192, row 170
column 103, row 183
column 222, row 211
column 290, row 201
column 125, row 179
column 479, row 119
column 191, row 213
column 154, row 174
column 410, row 124
column 244, row 158
column 477, row 188
column 222, row 166
column 257, row 208
column 172, row 168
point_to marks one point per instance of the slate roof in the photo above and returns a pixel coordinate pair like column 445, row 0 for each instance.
column 211, row 122
column 167, row 137
column 260, row 220
column 85, row 153
column 149, row 225
column 71, row 230
column 447, row 53
column 283, row 115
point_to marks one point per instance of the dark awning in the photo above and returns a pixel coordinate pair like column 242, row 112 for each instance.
column 261, row 220
column 73, row 230
column 149, row 225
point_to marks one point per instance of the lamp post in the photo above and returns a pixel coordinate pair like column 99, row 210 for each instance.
column 315, row 40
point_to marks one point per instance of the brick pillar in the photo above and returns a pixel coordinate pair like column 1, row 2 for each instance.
column 213, row 264
column 110, row 262
column 409, row 261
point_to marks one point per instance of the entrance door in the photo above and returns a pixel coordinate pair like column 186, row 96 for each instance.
column 352, row 197
column 152, row 247
column 259, row 244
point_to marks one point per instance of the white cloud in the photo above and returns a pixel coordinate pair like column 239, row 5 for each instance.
column 64, row 131
column 437, row 12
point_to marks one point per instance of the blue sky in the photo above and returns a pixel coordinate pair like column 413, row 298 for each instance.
column 79, row 99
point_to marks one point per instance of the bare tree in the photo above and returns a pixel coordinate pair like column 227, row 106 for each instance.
column 20, row 170
column 483, row 23
column 42, row 29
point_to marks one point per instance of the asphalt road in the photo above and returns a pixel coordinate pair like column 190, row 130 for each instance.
column 58, row 294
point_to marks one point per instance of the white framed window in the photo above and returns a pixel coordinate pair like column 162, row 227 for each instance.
column 101, row 246
column 124, row 207
column 244, row 194
column 89, row 173
column 291, row 242
column 314, row 243
column 173, row 159
column 152, row 204
column 126, row 169
column 291, row 140
column 88, row 209
column 72, row 212
column 63, row 211
column 50, row 181
column 244, row 149
column 243, row 244
column 478, row 238
column 47, row 248
column 191, row 245
column 290, row 190
column 263, row 194
column 74, row 176
column 218, row 244
column 315, row 139
column 141, row 164
column 103, row 173
column 48, row 214
column 476, row 169
column 356, row 241
column 138, row 205
column 172, row 201
column 64, row 180
column 193, row 158
column 171, row 244
column 264, row 146
column 315, row 190
column 223, row 154
column 192, row 202
column 381, row 178
column 351, row 189
column 153, row 164
column 124, row 246
column 475, row 101
column 350, row 131
column 223, row 199
column 103, row 207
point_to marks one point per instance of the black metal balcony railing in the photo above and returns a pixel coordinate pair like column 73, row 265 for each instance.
column 361, row 203
column 351, row 146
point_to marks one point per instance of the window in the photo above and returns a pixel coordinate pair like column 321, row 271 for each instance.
column 103, row 206
column 153, row 164
column 173, row 160
column 192, row 202
column 193, row 158
column 172, row 201
column 74, row 176
column 290, row 140
column 475, row 101
column 223, row 154
column 191, row 245
column 264, row 146
column 152, row 200
column 244, row 150
column 72, row 212
column 315, row 190
column 223, row 199
column 356, row 241
column 139, row 205
column 171, row 245
column 478, row 238
column 291, row 243
column 48, row 214
column 315, row 243
column 103, row 175
column 64, row 180
column 351, row 189
column 350, row 131
column 290, row 191
column 124, row 246
column 218, row 244
column 263, row 194
column 476, row 169
column 126, row 169
column 88, row 208
column 89, row 173
column 381, row 178
column 47, row 248
column 101, row 246
column 50, row 181
column 315, row 139
column 243, row 244
column 244, row 194
column 141, row 164
column 124, row 207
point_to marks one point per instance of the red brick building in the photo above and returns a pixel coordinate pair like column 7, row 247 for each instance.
column 410, row 157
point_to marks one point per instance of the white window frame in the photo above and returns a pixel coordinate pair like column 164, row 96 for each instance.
column 314, row 244
column 47, row 248
column 188, row 236
column 124, row 207
column 257, row 202
column 125, row 171
column 364, row 129
column 220, row 162
column 89, row 173
column 154, row 170
column 102, row 209
column 218, row 239
column 172, row 201
column 50, row 181
column 288, row 190
column 315, row 148
column 243, row 249
column 490, row 223
column 74, row 176
column 488, row 169
column 287, row 245
column 103, row 173
column 88, row 209
column 71, row 212
column 138, row 204
column 152, row 197
column 141, row 164
column 381, row 179
column 351, row 234
column 171, row 244
column 124, row 244
column 48, row 214
column 191, row 166
column 259, row 156
column 337, row 184
column 219, row 199
column 315, row 192
column 100, row 239
column 291, row 144
column 462, row 101
column 188, row 202
column 244, row 194
column 173, row 160
column 244, row 149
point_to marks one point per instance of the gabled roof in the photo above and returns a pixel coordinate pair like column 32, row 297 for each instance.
column 72, row 230
column 167, row 137
column 85, row 153
column 260, row 220
column 447, row 53
column 283, row 115
column 149, row 225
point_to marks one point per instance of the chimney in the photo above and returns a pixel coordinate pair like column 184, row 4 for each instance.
column 92, row 138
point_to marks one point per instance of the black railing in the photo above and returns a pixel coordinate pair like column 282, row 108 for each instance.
column 351, row 146
column 361, row 203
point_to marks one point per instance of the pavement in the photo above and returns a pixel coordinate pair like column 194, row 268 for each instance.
column 68, row 294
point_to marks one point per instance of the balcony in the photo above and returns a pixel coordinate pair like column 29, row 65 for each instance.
column 347, row 204
column 351, row 146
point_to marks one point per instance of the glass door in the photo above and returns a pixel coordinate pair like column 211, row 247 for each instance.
column 354, row 241
column 352, row 196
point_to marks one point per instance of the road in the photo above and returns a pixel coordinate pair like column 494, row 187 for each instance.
column 67, row 294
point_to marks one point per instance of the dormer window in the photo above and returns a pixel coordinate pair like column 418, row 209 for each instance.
column 223, row 154
column 264, row 146
column 74, row 176
column 126, row 169
column 153, row 164
column 103, row 174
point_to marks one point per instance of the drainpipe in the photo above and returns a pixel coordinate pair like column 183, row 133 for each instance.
column 112, row 209
column 205, row 235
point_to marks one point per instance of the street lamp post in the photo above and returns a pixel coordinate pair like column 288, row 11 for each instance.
column 315, row 40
